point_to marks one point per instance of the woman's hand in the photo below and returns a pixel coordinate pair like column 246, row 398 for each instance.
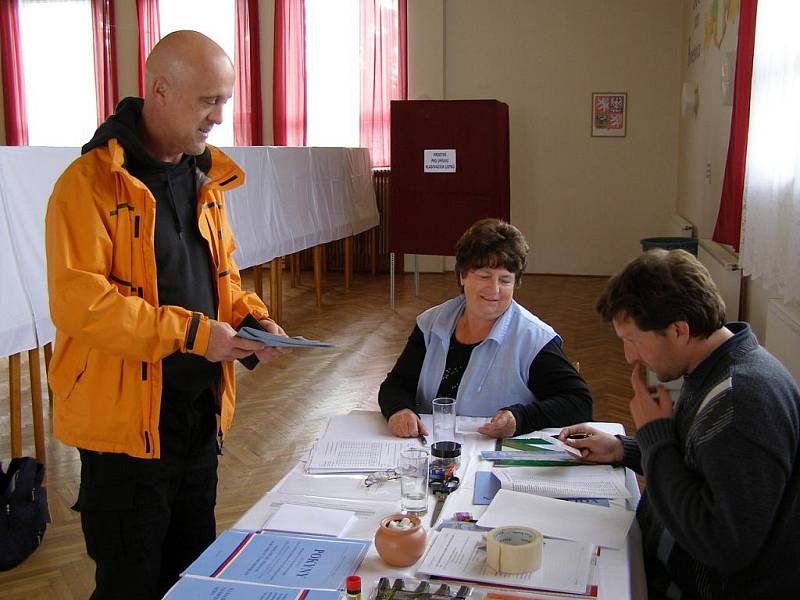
column 595, row 445
column 502, row 425
column 405, row 423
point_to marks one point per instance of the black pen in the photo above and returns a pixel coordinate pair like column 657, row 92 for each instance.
column 422, row 439
column 576, row 436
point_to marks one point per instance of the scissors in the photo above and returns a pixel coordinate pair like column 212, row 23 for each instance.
column 442, row 489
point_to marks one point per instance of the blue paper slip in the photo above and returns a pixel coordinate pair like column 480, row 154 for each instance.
column 276, row 341
column 195, row 588
column 295, row 561
column 486, row 486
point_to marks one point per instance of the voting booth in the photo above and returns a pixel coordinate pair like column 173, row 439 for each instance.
column 450, row 167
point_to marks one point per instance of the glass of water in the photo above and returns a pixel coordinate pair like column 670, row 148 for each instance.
column 413, row 469
column 444, row 420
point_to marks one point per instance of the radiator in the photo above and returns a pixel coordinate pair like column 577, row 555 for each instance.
column 782, row 338
column 726, row 273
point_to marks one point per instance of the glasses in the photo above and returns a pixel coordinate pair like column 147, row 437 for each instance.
column 381, row 476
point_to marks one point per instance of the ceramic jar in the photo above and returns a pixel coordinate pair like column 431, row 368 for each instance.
column 400, row 547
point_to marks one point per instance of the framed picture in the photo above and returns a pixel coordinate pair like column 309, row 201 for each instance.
column 609, row 112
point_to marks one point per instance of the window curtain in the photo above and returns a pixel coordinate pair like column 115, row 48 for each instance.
column 729, row 219
column 383, row 73
column 149, row 33
column 16, row 120
column 105, row 58
column 248, row 129
column 289, row 123
column 771, row 245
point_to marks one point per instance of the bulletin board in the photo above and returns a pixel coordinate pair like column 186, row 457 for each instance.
column 450, row 168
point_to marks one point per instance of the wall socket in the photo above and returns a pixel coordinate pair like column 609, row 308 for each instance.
column 708, row 172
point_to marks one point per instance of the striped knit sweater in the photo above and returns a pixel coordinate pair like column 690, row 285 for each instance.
column 720, row 517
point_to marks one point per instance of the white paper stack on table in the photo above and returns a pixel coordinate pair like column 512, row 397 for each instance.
column 568, row 568
column 314, row 520
column 558, row 519
column 592, row 481
column 357, row 443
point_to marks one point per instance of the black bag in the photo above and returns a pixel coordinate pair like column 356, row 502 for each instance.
column 23, row 511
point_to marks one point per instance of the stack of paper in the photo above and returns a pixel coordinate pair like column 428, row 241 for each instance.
column 282, row 560
column 193, row 588
column 553, row 518
column 352, row 444
column 591, row 481
column 315, row 520
column 567, row 567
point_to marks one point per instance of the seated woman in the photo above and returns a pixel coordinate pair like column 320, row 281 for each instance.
column 497, row 359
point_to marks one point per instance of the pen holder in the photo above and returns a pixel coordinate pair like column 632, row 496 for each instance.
column 400, row 547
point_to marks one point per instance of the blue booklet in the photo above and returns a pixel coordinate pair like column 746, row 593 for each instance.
column 195, row 588
column 287, row 560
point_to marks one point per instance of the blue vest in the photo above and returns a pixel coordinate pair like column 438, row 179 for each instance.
column 497, row 372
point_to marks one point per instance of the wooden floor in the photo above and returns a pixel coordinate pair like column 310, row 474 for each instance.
column 281, row 407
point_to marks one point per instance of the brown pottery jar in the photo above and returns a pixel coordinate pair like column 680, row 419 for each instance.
column 400, row 547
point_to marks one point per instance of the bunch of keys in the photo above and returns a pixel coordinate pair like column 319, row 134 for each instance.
column 381, row 476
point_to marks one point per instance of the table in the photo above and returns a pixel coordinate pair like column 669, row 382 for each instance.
column 292, row 199
column 621, row 572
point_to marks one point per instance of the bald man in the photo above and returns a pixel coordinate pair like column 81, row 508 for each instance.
column 145, row 295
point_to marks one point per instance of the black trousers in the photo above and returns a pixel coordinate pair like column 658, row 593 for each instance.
column 144, row 521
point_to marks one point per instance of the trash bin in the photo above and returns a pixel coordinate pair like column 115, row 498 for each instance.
column 670, row 243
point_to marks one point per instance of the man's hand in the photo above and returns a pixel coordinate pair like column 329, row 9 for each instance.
column 223, row 345
column 267, row 353
column 405, row 423
column 502, row 425
column 648, row 403
column 595, row 445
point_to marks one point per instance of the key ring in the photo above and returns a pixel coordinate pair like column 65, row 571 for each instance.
column 380, row 477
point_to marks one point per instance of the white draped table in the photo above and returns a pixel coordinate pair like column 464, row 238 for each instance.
column 292, row 199
column 620, row 572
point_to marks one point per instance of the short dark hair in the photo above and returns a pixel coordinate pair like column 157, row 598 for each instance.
column 494, row 244
column 662, row 287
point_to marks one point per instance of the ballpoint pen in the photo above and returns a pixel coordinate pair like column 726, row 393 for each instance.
column 422, row 439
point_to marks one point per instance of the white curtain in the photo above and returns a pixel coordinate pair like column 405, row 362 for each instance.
column 771, row 214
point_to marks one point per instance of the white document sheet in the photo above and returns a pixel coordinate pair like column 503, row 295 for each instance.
column 555, row 518
column 357, row 456
column 455, row 554
column 358, row 443
column 595, row 481
column 310, row 519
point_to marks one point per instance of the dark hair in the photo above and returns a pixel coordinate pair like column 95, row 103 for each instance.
column 494, row 244
column 659, row 288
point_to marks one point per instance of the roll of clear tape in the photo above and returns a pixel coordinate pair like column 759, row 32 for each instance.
column 514, row 549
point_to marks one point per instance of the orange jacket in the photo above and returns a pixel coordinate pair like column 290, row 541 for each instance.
column 111, row 333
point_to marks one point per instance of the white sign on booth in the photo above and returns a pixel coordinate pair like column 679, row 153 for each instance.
column 440, row 161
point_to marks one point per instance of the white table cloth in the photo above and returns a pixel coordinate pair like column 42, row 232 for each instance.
column 621, row 572
column 292, row 199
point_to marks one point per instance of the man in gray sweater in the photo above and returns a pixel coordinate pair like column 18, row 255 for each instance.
column 720, row 516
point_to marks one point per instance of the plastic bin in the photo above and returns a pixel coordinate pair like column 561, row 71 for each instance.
column 670, row 243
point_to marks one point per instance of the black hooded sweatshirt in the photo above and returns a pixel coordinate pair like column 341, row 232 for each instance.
column 183, row 263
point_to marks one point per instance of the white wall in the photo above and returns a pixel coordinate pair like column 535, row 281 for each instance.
column 582, row 202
